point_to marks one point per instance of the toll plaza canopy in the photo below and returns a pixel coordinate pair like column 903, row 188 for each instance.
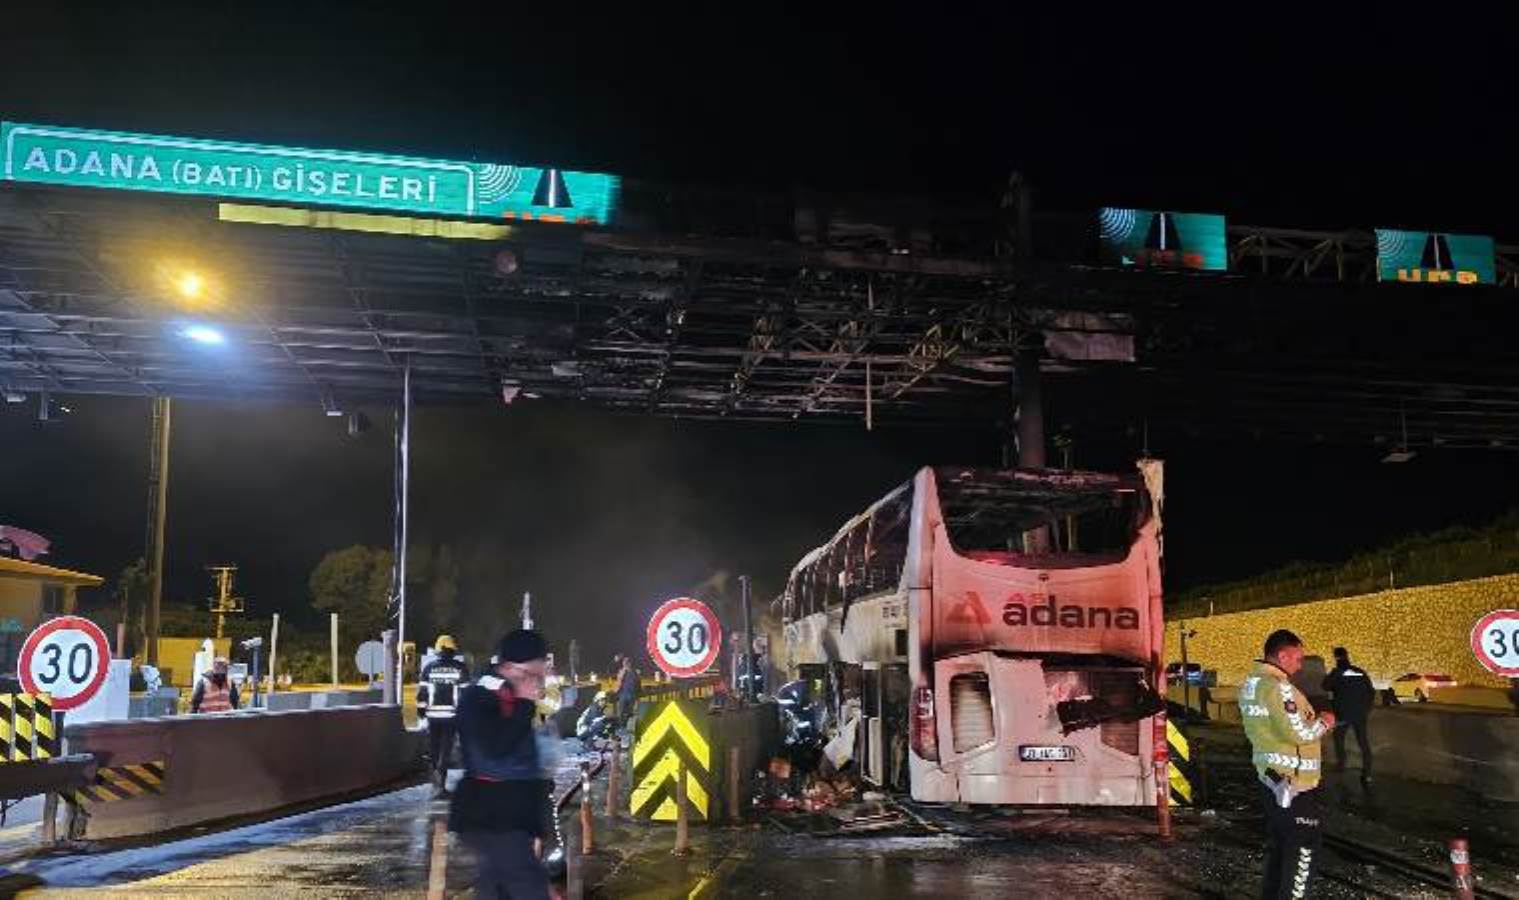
column 511, row 284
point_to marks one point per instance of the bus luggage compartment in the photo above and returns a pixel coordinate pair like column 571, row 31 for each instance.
column 1001, row 738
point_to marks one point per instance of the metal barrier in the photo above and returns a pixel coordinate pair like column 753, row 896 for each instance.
column 26, row 728
column 291, row 700
column 161, row 774
column 714, row 750
column 60, row 774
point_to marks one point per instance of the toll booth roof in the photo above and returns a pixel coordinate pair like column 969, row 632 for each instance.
column 18, row 568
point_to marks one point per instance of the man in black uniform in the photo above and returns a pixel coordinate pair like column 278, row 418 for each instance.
column 437, row 697
column 501, row 808
column 1353, row 699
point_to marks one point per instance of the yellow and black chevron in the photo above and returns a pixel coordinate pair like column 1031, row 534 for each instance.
column 122, row 783
column 26, row 728
column 670, row 734
column 1179, row 766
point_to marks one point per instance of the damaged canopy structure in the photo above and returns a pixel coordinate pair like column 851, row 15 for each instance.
column 741, row 307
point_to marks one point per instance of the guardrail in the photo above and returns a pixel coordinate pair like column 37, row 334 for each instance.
column 160, row 774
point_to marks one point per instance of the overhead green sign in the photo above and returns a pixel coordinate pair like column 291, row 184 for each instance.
column 1432, row 257
column 1162, row 240
column 79, row 157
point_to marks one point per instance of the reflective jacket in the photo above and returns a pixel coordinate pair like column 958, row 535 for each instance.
column 209, row 697
column 1283, row 729
column 438, row 691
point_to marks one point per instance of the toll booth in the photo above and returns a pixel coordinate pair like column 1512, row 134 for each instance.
column 31, row 593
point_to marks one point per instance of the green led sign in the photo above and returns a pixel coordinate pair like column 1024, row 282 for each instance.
column 1434, row 257
column 79, row 157
column 1162, row 240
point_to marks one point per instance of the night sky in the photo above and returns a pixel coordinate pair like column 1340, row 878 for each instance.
column 1312, row 123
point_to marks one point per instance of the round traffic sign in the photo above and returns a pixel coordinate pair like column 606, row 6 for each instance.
column 1495, row 640
column 684, row 637
column 67, row 657
column 370, row 658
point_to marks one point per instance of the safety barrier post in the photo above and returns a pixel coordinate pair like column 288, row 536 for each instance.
column 735, row 812
column 613, row 763
column 587, row 842
column 1161, row 756
column 1462, row 885
column 682, row 815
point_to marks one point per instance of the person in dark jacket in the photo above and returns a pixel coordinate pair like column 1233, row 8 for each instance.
column 500, row 807
column 627, row 691
column 437, row 692
column 1353, row 698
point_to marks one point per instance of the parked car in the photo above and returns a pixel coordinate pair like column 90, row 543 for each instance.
column 1420, row 687
column 1194, row 673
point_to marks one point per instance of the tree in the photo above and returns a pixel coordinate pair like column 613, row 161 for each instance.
column 355, row 584
column 132, row 587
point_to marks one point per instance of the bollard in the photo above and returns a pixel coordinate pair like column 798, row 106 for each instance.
column 437, row 869
column 612, row 766
column 735, row 810
column 50, row 819
column 682, row 817
column 1161, row 753
column 1462, row 885
column 587, row 841
column 1200, row 794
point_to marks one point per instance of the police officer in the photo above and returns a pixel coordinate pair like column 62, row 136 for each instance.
column 1284, row 733
column 1353, row 699
column 437, row 697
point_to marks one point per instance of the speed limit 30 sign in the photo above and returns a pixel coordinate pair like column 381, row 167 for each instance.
column 66, row 657
column 684, row 637
column 1495, row 640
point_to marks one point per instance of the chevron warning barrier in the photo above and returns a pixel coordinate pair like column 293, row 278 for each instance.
column 27, row 731
column 122, row 783
column 671, row 732
column 1179, row 766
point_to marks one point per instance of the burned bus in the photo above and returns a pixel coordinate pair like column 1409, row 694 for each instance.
column 991, row 636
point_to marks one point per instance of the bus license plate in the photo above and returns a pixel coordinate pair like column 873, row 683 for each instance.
column 1029, row 753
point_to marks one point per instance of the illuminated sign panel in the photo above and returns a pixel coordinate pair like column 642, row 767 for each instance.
column 1162, row 240
column 1434, row 257
column 79, row 157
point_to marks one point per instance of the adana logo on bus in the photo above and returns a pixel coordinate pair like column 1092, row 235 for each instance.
column 1044, row 611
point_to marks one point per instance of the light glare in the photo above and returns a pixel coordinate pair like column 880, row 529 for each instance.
column 205, row 334
column 190, row 285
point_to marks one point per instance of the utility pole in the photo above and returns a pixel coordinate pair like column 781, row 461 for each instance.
column 158, row 498
column 750, row 681
column 224, row 602
column 402, row 520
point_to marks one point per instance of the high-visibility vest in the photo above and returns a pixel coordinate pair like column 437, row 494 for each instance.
column 215, row 699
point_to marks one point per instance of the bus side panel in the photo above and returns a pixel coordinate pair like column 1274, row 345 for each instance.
column 995, row 706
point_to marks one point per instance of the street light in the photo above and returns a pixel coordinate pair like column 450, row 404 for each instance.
column 190, row 285
column 204, row 334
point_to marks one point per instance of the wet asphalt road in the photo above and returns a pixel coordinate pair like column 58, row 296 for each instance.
column 381, row 846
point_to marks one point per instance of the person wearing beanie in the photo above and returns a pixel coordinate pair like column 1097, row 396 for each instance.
column 500, row 807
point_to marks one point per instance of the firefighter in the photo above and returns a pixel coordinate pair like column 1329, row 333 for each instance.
column 437, row 697
column 1353, row 699
column 215, row 692
column 1284, row 733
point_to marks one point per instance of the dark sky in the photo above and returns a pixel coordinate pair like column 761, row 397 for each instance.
column 1323, row 120
column 1301, row 117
